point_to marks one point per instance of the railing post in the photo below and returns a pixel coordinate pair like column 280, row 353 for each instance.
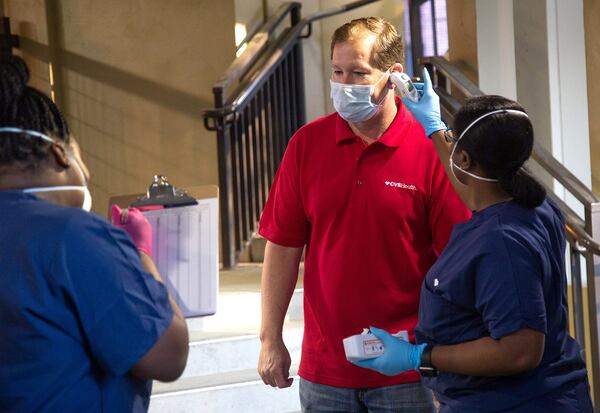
column 226, row 196
column 8, row 41
column 576, row 293
column 592, row 222
column 299, row 72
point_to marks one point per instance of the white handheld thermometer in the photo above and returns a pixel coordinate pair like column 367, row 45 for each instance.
column 366, row 346
column 406, row 88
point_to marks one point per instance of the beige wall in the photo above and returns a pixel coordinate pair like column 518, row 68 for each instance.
column 531, row 57
column 135, row 76
column 591, row 10
column 28, row 20
column 462, row 36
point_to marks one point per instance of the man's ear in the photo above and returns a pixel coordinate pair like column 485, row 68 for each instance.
column 397, row 67
column 60, row 155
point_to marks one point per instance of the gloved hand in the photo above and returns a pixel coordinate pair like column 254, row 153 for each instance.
column 399, row 355
column 427, row 109
column 136, row 225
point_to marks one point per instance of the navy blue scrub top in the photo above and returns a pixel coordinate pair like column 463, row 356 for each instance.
column 502, row 271
column 77, row 311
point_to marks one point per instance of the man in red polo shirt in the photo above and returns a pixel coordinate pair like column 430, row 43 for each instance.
column 364, row 191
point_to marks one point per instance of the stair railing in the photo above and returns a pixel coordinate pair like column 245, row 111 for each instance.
column 453, row 87
column 259, row 104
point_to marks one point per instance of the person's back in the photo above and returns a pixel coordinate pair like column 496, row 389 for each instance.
column 54, row 351
column 503, row 241
column 86, row 320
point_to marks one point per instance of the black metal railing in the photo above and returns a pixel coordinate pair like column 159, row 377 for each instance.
column 259, row 104
column 8, row 41
column 453, row 86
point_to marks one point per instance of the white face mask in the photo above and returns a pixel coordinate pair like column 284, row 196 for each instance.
column 353, row 102
column 87, row 196
column 451, row 161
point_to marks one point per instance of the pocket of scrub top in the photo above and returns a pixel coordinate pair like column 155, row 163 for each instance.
column 445, row 322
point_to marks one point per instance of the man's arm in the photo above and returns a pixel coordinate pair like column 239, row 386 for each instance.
column 279, row 277
column 166, row 360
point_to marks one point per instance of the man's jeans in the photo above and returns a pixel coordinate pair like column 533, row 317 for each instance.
column 403, row 398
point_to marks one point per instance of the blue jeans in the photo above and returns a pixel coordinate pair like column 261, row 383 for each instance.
column 403, row 398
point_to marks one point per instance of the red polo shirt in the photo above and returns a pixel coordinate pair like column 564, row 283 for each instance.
column 374, row 219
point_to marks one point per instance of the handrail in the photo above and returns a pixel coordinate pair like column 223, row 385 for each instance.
column 338, row 10
column 563, row 175
column 8, row 41
column 540, row 154
column 458, row 78
column 575, row 226
column 257, row 45
column 253, row 51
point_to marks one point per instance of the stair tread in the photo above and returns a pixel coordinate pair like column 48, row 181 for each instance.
column 210, row 381
column 199, row 336
column 246, row 277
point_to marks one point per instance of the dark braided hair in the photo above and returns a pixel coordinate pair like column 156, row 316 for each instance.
column 500, row 144
column 25, row 107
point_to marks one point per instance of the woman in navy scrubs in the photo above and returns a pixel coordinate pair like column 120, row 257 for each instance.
column 85, row 321
column 492, row 328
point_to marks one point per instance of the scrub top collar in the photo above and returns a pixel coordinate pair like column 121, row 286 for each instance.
column 490, row 210
column 15, row 195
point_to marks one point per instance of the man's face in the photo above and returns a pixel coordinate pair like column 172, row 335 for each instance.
column 351, row 63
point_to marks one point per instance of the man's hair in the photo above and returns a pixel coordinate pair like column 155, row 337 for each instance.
column 387, row 49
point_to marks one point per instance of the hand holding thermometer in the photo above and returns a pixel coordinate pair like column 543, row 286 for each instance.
column 406, row 88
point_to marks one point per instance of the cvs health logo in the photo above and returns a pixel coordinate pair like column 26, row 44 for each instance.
column 401, row 185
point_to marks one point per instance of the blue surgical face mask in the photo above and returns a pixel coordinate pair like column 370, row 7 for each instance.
column 454, row 166
column 353, row 102
column 87, row 196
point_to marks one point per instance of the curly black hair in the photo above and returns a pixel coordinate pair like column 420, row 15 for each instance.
column 501, row 144
column 25, row 107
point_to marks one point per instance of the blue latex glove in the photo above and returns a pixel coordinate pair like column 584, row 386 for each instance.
column 399, row 355
column 427, row 109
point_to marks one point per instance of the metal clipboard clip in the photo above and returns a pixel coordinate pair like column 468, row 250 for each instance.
column 162, row 193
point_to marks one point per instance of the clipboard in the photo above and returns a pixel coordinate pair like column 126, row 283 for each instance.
column 185, row 241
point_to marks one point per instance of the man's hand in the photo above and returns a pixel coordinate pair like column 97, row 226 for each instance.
column 274, row 364
column 398, row 356
column 427, row 110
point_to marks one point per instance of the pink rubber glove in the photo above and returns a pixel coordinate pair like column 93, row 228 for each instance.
column 136, row 225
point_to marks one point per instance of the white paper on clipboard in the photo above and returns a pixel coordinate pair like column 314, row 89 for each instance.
column 186, row 250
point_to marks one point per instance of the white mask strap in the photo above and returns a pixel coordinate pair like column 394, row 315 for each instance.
column 517, row 112
column 453, row 165
column 87, row 201
column 55, row 188
column 29, row 132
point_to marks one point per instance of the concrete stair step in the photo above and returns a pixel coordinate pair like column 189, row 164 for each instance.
column 240, row 311
column 221, row 375
column 239, row 391
column 213, row 353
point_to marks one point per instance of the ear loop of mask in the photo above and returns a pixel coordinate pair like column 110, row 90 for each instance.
column 451, row 161
column 87, row 197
